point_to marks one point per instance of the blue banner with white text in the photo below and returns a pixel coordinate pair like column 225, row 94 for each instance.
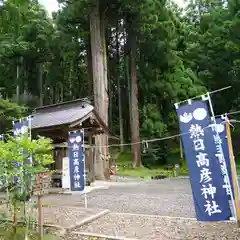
column 20, row 128
column 76, row 161
column 210, row 198
column 221, row 128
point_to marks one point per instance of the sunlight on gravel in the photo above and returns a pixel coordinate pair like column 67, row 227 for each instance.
column 168, row 197
column 160, row 228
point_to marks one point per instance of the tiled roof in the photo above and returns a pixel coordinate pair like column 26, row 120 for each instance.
column 60, row 114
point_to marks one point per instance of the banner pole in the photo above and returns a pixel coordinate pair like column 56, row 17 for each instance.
column 181, row 148
column 85, row 180
column 234, row 165
column 234, row 172
column 221, row 152
column 29, row 118
column 30, row 126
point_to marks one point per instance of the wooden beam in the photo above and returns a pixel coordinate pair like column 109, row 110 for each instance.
column 80, row 121
column 91, row 160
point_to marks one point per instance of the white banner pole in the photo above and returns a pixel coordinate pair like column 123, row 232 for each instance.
column 85, row 180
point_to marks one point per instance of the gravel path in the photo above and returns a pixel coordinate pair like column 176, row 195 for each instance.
column 67, row 216
column 61, row 216
column 159, row 228
column 168, row 197
column 161, row 198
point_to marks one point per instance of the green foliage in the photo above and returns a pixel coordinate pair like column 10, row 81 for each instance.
column 124, row 166
column 14, row 152
column 124, row 160
column 178, row 56
column 212, row 48
column 25, row 38
column 8, row 232
column 9, row 111
column 13, row 167
column 152, row 122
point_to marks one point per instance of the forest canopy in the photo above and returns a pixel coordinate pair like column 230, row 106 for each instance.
column 134, row 60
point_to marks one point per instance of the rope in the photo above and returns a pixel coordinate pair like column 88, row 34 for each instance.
column 156, row 139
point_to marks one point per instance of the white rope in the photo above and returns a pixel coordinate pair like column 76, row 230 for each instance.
column 158, row 139
column 229, row 113
column 155, row 139
column 199, row 96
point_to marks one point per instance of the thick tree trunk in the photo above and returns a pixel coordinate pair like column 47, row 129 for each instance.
column 127, row 93
column 99, row 84
column 136, row 149
column 105, row 67
column 110, row 90
column 89, row 65
column 119, row 87
column 110, row 105
column 104, row 115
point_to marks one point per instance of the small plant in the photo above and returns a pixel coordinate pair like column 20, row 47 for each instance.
column 21, row 160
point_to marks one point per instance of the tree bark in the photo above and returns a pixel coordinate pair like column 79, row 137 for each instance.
column 99, row 80
column 89, row 65
column 105, row 67
column 136, row 149
column 104, row 114
column 127, row 112
column 119, row 86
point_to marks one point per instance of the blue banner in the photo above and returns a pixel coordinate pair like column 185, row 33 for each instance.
column 20, row 128
column 221, row 128
column 210, row 198
column 76, row 161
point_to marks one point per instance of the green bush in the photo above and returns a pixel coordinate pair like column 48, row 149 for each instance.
column 8, row 232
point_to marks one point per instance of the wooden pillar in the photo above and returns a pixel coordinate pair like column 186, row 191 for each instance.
column 91, row 159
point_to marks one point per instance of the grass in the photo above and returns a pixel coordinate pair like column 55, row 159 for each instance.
column 8, row 232
column 238, row 168
column 142, row 172
column 124, row 164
